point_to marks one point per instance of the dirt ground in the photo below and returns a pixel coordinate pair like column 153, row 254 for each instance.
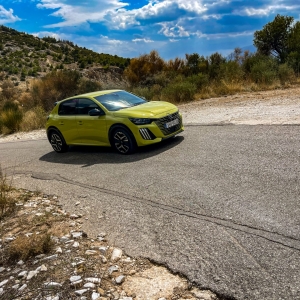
column 280, row 106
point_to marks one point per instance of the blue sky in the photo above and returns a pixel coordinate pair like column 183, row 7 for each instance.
column 130, row 28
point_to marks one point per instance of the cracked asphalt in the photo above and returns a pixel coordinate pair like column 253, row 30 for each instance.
column 218, row 204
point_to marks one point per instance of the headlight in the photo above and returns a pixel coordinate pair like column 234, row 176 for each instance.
column 140, row 121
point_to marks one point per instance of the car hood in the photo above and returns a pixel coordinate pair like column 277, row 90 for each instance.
column 153, row 109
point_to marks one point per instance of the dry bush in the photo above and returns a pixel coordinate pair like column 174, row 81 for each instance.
column 11, row 117
column 24, row 247
column 7, row 203
column 9, row 91
column 55, row 86
column 26, row 100
column 33, row 119
column 179, row 92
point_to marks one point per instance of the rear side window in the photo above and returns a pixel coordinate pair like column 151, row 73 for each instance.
column 68, row 108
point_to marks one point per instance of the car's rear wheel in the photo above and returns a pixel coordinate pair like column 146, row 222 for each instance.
column 123, row 141
column 57, row 142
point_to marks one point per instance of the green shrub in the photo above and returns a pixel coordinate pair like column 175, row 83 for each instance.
column 286, row 74
column 200, row 80
column 264, row 72
column 87, row 85
column 179, row 91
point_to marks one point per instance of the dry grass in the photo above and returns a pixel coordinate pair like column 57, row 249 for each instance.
column 24, row 247
column 33, row 119
column 7, row 203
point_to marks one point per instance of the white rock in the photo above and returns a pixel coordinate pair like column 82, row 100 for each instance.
column 50, row 257
column 76, row 245
column 2, row 269
column 20, row 262
column 120, row 279
column 103, row 250
column 76, row 282
column 112, row 269
column 93, row 279
column 76, row 235
column 116, row 254
column 43, row 268
column 95, row 296
column 81, row 292
column 23, row 287
column 3, row 282
column 77, row 203
column 31, row 274
column 75, row 278
column 64, row 238
column 91, row 252
column 1, row 291
column 52, row 284
column 16, row 286
column 23, row 274
column 89, row 285
column 59, row 250
column 74, row 216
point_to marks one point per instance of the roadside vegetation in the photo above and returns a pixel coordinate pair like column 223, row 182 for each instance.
column 35, row 73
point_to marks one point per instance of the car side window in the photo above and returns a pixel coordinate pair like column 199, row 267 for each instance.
column 85, row 105
column 68, row 108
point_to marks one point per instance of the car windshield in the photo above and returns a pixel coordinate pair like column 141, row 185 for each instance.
column 119, row 100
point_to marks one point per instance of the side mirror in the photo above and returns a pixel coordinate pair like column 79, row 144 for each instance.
column 96, row 112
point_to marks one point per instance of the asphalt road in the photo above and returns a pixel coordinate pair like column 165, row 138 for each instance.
column 219, row 204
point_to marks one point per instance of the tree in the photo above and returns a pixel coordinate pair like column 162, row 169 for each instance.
column 273, row 38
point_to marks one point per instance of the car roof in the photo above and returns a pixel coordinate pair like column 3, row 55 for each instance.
column 97, row 93
column 92, row 94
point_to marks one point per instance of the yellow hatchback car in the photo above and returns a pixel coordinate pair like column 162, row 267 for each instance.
column 111, row 118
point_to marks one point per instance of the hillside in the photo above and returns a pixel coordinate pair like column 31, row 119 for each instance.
column 24, row 56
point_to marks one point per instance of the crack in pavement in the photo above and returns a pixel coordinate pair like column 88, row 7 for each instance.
column 274, row 237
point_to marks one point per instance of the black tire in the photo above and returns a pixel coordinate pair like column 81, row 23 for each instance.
column 57, row 142
column 123, row 141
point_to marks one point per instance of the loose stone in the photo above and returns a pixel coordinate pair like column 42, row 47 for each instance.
column 95, row 296
column 89, row 285
column 116, row 254
column 31, row 274
column 120, row 279
column 75, row 278
column 81, row 292
column 3, row 282
column 22, row 274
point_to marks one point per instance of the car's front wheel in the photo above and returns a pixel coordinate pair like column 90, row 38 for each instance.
column 123, row 141
column 57, row 142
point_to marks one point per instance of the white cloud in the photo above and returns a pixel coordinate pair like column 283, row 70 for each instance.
column 143, row 40
column 78, row 13
column 42, row 34
column 264, row 10
column 173, row 31
column 7, row 16
column 114, row 12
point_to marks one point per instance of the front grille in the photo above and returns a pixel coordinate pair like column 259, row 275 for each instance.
column 162, row 121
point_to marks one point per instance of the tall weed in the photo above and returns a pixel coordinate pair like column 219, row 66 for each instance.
column 11, row 117
column 33, row 119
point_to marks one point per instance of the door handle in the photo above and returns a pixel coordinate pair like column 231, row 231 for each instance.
column 61, row 123
column 80, row 123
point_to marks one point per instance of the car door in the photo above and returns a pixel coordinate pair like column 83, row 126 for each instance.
column 66, row 120
column 91, row 129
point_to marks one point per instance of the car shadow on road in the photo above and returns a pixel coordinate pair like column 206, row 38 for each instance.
column 92, row 155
